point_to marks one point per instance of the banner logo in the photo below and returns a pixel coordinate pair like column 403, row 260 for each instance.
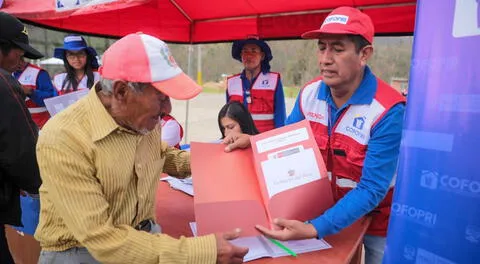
column 417, row 215
column 466, row 20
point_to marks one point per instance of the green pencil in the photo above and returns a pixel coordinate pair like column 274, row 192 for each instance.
column 282, row 246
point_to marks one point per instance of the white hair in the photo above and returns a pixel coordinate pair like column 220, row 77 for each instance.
column 107, row 86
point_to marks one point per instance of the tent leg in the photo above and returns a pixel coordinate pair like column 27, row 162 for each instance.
column 189, row 72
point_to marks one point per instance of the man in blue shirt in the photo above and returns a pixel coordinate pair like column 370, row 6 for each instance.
column 353, row 114
column 259, row 89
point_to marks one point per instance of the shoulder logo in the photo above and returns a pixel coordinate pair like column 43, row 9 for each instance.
column 359, row 122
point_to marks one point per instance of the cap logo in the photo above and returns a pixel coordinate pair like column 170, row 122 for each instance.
column 24, row 31
column 167, row 56
column 72, row 38
column 338, row 19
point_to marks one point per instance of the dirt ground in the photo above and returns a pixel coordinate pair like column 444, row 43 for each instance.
column 202, row 116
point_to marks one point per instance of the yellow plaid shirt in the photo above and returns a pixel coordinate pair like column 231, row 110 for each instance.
column 99, row 180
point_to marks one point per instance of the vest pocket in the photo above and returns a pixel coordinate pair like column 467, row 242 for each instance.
column 261, row 105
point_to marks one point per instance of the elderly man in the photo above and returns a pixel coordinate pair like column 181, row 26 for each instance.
column 18, row 133
column 357, row 121
column 101, row 159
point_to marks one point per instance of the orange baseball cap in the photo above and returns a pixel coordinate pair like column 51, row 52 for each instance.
column 143, row 58
column 345, row 20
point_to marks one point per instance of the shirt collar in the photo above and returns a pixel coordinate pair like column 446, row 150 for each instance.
column 243, row 75
column 101, row 121
column 363, row 94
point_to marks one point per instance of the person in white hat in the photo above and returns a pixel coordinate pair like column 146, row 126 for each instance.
column 100, row 161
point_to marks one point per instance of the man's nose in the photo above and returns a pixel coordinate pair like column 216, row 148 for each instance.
column 325, row 57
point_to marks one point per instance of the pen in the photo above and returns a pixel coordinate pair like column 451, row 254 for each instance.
column 282, row 246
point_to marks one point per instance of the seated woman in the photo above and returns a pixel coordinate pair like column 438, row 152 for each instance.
column 172, row 131
column 234, row 117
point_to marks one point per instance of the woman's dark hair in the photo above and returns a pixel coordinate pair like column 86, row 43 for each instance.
column 237, row 111
column 70, row 81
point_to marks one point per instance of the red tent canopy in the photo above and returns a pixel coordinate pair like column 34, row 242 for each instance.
column 200, row 21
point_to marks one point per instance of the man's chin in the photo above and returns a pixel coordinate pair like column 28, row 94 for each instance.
column 143, row 131
column 330, row 81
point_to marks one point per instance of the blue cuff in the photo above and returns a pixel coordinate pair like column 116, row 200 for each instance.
column 322, row 226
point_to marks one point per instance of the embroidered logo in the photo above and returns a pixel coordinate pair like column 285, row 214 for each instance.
column 167, row 56
column 24, row 31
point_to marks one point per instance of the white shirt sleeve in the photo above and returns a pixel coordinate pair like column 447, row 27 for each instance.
column 171, row 133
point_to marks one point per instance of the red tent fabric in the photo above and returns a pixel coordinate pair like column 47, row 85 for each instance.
column 203, row 21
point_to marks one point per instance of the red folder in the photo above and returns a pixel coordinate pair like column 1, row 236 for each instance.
column 282, row 175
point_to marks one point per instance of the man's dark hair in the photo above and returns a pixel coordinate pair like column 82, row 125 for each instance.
column 6, row 46
column 359, row 41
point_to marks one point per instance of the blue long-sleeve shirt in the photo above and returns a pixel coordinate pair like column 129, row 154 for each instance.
column 279, row 114
column 380, row 161
column 44, row 88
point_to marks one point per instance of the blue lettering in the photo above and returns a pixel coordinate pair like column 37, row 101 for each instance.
column 355, row 132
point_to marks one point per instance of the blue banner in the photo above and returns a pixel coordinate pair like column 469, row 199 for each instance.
column 436, row 209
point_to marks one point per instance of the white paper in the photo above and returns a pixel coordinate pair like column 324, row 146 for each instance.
column 261, row 247
column 291, row 171
column 184, row 185
column 281, row 140
column 298, row 246
column 57, row 104
column 285, row 152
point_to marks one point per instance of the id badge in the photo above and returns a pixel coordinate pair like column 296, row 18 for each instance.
column 248, row 97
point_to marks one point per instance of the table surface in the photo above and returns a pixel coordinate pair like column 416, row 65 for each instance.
column 174, row 211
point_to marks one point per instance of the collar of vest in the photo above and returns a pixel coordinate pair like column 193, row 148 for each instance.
column 363, row 95
column 243, row 76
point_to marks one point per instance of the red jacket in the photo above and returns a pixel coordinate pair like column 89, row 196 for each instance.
column 262, row 98
column 345, row 149
column 28, row 78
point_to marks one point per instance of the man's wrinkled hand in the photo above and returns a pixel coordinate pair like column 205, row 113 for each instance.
column 289, row 230
column 227, row 253
column 236, row 141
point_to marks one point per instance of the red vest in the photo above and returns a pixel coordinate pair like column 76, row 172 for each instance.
column 28, row 78
column 167, row 118
column 344, row 151
column 262, row 98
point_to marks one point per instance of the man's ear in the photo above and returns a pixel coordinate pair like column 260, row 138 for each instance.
column 365, row 54
column 120, row 90
column 263, row 56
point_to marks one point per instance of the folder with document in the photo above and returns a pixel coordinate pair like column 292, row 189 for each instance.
column 281, row 175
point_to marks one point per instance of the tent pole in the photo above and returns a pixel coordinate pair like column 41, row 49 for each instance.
column 189, row 72
column 199, row 65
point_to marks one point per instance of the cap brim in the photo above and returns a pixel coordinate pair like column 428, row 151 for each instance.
column 30, row 52
column 180, row 87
